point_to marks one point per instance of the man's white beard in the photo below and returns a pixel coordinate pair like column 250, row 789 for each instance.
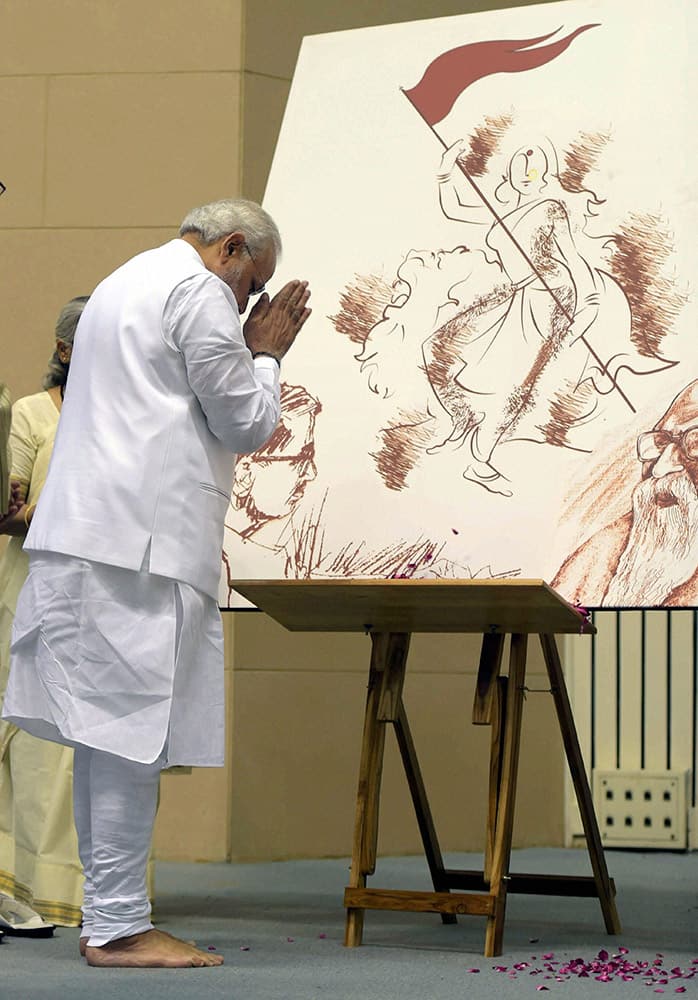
column 661, row 553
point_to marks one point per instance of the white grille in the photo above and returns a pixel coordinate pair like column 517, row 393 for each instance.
column 642, row 808
column 633, row 691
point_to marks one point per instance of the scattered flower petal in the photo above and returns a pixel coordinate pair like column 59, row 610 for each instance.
column 211, row 947
column 244, row 947
column 322, row 936
column 603, row 969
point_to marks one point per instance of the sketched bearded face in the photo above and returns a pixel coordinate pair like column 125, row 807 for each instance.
column 528, row 169
column 662, row 549
column 669, row 452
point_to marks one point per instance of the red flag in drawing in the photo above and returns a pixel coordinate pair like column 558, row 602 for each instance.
column 450, row 73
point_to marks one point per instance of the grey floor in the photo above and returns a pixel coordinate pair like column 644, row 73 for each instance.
column 280, row 928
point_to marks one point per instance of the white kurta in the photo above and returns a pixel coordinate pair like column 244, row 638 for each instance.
column 119, row 661
column 117, row 639
column 162, row 392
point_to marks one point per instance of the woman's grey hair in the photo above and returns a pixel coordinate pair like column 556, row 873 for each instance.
column 212, row 222
column 66, row 325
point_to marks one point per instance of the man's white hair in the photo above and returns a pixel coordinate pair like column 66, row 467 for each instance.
column 220, row 218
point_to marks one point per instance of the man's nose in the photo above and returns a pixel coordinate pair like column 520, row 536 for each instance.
column 670, row 460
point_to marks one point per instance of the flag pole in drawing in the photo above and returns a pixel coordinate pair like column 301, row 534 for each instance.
column 445, row 79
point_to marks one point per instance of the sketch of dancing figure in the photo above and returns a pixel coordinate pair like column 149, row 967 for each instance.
column 566, row 324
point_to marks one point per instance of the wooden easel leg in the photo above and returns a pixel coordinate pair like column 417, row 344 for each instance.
column 507, row 794
column 388, row 657
column 487, row 675
column 581, row 784
column 488, row 710
column 495, row 777
column 421, row 808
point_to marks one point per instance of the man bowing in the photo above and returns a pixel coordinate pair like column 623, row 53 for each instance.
column 117, row 642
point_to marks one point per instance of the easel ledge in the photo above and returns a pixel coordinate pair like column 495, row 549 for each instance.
column 369, row 605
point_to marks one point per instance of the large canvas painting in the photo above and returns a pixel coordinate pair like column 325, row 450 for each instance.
column 496, row 213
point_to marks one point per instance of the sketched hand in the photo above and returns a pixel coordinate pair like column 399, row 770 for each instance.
column 448, row 160
column 274, row 324
column 586, row 312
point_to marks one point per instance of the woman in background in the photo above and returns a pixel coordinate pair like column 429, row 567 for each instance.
column 40, row 872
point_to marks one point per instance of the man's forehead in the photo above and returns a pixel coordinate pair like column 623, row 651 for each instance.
column 683, row 411
column 267, row 259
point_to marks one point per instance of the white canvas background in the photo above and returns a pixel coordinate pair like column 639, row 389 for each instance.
column 353, row 189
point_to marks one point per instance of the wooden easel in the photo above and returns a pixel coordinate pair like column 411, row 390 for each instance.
column 390, row 610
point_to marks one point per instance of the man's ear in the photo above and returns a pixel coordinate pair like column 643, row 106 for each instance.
column 232, row 243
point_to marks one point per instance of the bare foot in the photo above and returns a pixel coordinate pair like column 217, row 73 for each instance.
column 152, row 949
column 84, row 940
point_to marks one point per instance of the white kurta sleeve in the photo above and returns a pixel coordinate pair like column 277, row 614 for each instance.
column 239, row 396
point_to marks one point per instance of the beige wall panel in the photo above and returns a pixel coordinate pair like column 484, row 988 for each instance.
column 273, row 30
column 105, row 36
column 295, row 760
column 454, row 759
column 22, row 127
column 39, row 271
column 262, row 644
column 260, row 130
column 296, row 754
column 459, row 654
column 192, row 819
column 140, row 150
column 541, row 786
